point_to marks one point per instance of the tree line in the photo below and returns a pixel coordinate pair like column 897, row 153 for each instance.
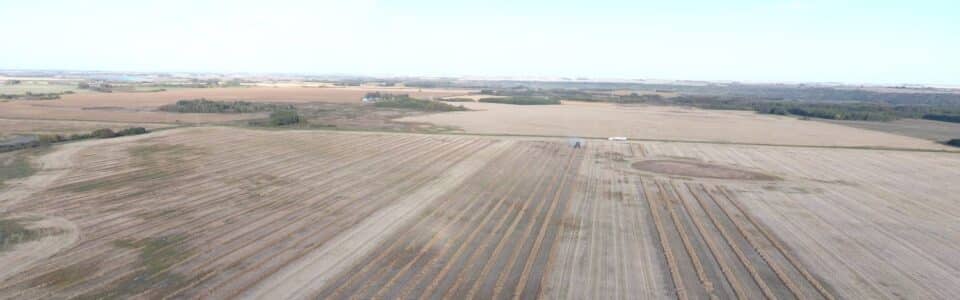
column 522, row 100
column 203, row 105
column 47, row 139
column 404, row 101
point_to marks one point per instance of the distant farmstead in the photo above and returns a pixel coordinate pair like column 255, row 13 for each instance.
column 372, row 97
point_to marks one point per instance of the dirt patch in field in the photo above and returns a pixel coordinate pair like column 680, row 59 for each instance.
column 698, row 169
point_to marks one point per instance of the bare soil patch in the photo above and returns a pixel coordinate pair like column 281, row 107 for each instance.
column 698, row 169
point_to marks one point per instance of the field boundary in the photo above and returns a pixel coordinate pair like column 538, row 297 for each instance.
column 630, row 139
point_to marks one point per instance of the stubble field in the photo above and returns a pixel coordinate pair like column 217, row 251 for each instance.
column 663, row 123
column 232, row 213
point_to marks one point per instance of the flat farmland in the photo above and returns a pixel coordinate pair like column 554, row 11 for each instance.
column 488, row 239
column 662, row 123
column 141, row 107
column 225, row 213
column 292, row 94
column 264, row 222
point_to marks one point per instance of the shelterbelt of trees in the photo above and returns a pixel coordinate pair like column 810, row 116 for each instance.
column 209, row 106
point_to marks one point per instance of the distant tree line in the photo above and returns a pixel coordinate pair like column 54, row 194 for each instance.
column 387, row 100
column 104, row 133
column 223, row 107
column 47, row 139
column 955, row 118
column 857, row 111
column 954, row 142
column 601, row 91
column 522, row 100
column 284, row 118
column 33, row 96
column 280, row 118
column 102, row 87
column 872, row 110
column 457, row 100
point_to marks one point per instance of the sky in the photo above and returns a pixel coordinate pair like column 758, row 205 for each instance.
column 885, row 42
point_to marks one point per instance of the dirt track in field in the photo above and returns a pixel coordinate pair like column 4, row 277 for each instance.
column 306, row 276
column 224, row 213
column 488, row 239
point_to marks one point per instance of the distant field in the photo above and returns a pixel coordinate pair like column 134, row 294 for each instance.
column 21, row 126
column 924, row 129
column 140, row 107
column 224, row 213
column 276, row 94
column 37, row 88
column 661, row 122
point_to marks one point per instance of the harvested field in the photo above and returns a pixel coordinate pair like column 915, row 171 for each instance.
column 654, row 237
column 488, row 239
column 232, row 213
column 662, row 123
column 290, row 197
column 867, row 222
column 34, row 110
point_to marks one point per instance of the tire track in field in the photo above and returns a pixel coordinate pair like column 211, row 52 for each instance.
column 210, row 220
column 515, row 214
column 582, row 206
column 175, row 225
column 687, row 244
column 334, row 227
column 535, row 256
column 293, row 218
column 728, row 275
column 530, row 221
column 410, row 233
column 665, row 247
column 794, row 262
column 465, row 172
column 391, row 281
column 741, row 256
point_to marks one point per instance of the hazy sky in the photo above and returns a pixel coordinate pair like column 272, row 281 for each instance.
column 850, row 41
